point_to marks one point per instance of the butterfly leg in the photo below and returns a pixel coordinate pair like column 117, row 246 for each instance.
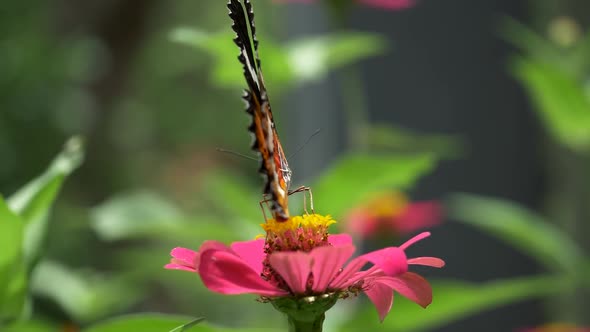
column 263, row 203
column 305, row 190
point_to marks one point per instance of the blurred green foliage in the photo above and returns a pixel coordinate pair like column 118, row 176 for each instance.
column 521, row 228
column 24, row 226
column 139, row 197
column 454, row 300
column 296, row 62
column 556, row 74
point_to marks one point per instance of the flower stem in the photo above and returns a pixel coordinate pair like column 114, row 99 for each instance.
column 351, row 85
column 355, row 107
column 314, row 325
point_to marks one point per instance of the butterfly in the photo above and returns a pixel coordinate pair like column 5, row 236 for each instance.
column 274, row 166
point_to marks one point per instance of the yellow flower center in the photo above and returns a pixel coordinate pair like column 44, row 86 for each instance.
column 312, row 222
column 299, row 233
column 387, row 204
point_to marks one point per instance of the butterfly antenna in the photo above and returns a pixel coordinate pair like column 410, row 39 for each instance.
column 304, row 143
column 236, row 154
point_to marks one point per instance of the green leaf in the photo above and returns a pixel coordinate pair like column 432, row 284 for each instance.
column 227, row 70
column 12, row 268
column 454, row 300
column 32, row 326
column 85, row 296
column 401, row 140
column 528, row 40
column 299, row 61
column 312, row 58
column 139, row 322
column 560, row 100
column 571, row 59
column 355, row 177
column 145, row 214
column 151, row 322
column 134, row 214
column 187, row 326
column 518, row 227
column 33, row 202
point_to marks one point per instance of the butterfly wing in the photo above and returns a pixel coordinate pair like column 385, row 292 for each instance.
column 274, row 166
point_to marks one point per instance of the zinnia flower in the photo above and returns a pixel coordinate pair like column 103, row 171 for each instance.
column 299, row 263
column 391, row 213
column 383, row 4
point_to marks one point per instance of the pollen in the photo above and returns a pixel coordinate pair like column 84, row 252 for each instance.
column 308, row 221
column 297, row 233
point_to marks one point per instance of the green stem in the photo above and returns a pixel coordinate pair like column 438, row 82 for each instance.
column 351, row 84
column 314, row 325
column 355, row 108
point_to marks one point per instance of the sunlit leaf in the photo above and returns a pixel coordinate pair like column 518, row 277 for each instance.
column 12, row 268
column 145, row 214
column 187, row 326
column 560, row 100
column 227, row 71
column 131, row 214
column 302, row 60
column 33, row 202
column 454, row 300
column 312, row 58
column 355, row 177
column 85, row 296
column 519, row 227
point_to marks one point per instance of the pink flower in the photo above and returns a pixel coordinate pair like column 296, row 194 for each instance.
column 383, row 4
column 253, row 267
column 389, row 4
column 391, row 213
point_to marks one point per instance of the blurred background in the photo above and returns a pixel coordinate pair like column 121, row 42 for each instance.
column 475, row 115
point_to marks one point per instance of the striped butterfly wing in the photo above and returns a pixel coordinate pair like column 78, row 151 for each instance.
column 274, row 166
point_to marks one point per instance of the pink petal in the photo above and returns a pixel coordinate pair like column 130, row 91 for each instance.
column 294, row 267
column 427, row 261
column 226, row 273
column 382, row 297
column 209, row 245
column 410, row 285
column 417, row 216
column 350, row 270
column 327, row 262
column 360, row 222
column 392, row 261
column 415, row 239
column 175, row 266
column 184, row 257
column 389, row 4
column 252, row 252
column 340, row 239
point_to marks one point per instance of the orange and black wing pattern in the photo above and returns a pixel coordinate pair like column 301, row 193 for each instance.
column 274, row 166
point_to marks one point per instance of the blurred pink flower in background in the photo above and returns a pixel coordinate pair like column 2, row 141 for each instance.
column 283, row 265
column 556, row 327
column 391, row 214
column 383, row 4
